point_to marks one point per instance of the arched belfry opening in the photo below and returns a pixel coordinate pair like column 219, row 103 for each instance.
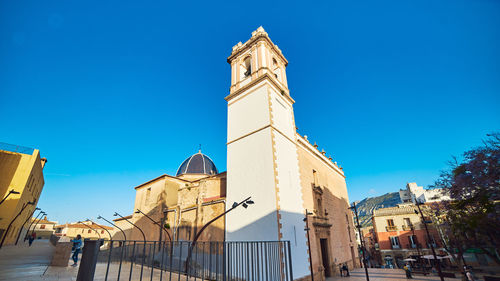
column 246, row 68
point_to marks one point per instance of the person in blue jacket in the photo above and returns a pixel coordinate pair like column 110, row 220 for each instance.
column 77, row 246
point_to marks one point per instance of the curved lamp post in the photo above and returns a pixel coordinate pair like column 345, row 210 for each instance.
column 306, row 220
column 418, row 203
column 12, row 191
column 363, row 249
column 98, row 235
column 22, row 226
column 168, row 234
column 10, row 224
column 31, row 223
column 143, row 236
column 109, row 233
column 245, row 204
column 36, row 222
column 101, row 218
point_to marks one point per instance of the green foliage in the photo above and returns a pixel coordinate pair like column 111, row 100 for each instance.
column 472, row 218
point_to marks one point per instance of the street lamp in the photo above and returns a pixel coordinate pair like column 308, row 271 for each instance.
column 10, row 224
column 36, row 222
column 12, row 191
column 358, row 226
column 418, row 203
column 109, row 233
column 98, row 235
column 245, row 204
column 31, row 223
column 309, row 242
column 124, row 236
column 143, row 248
column 22, row 226
column 141, row 212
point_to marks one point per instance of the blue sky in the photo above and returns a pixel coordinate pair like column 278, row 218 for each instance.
column 115, row 93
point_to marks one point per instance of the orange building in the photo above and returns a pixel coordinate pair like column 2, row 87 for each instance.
column 400, row 234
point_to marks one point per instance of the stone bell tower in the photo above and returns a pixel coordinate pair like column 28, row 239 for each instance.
column 262, row 151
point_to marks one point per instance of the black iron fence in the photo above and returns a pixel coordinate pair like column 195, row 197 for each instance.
column 228, row 261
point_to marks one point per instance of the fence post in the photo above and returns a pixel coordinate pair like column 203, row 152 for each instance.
column 89, row 260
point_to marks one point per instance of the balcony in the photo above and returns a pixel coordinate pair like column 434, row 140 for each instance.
column 411, row 246
column 408, row 227
column 391, row 228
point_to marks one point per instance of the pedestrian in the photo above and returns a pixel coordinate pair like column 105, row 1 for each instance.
column 407, row 271
column 469, row 275
column 345, row 269
column 77, row 245
column 32, row 238
column 341, row 270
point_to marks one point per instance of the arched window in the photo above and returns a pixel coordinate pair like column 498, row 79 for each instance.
column 276, row 70
column 246, row 68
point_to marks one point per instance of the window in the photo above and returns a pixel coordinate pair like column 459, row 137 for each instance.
column 315, row 178
column 102, row 231
column 412, row 239
column 348, row 227
column 148, row 194
column 390, row 222
column 394, row 242
column 246, row 68
column 89, row 231
column 42, row 226
column 407, row 221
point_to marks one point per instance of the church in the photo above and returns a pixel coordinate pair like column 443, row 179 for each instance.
column 267, row 160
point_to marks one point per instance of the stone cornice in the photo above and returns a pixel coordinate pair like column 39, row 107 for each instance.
column 259, row 36
column 284, row 91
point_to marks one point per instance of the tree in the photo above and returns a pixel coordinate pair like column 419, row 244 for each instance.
column 471, row 219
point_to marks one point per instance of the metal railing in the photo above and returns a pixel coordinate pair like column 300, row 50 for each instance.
column 153, row 260
column 16, row 148
column 391, row 228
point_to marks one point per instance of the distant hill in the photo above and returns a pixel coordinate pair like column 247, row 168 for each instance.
column 368, row 205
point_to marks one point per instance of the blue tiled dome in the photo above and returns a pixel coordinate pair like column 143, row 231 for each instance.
column 197, row 163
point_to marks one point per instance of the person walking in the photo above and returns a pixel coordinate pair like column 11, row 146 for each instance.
column 77, row 245
column 32, row 238
column 407, row 271
column 345, row 269
column 469, row 276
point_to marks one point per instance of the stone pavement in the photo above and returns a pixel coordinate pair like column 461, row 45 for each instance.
column 25, row 263
column 379, row 274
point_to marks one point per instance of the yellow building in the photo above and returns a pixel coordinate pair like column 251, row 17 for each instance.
column 43, row 228
column 21, row 182
column 86, row 229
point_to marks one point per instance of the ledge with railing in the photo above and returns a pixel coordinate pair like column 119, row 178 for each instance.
column 391, row 228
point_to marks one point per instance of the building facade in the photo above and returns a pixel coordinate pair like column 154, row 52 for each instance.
column 414, row 193
column 43, row 228
column 21, row 183
column 86, row 229
column 267, row 160
column 400, row 234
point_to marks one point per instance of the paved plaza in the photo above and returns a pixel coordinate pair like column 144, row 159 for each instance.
column 32, row 264
column 379, row 274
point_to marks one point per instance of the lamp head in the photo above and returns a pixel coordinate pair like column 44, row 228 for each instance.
column 36, row 209
column 138, row 211
column 115, row 214
column 99, row 217
column 14, row 192
column 245, row 205
column 250, row 201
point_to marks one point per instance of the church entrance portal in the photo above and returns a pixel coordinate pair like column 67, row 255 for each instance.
column 324, row 257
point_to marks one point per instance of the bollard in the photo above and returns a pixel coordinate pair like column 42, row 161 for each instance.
column 89, row 260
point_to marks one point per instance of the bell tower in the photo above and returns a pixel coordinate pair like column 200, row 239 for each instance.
column 262, row 159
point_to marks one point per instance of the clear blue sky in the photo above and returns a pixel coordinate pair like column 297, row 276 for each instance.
column 115, row 93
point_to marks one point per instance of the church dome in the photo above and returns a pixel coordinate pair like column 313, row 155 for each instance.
column 198, row 164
